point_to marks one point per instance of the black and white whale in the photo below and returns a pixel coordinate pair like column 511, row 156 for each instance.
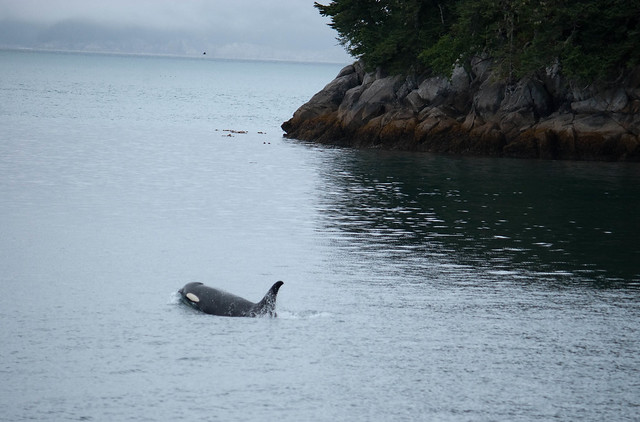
column 218, row 302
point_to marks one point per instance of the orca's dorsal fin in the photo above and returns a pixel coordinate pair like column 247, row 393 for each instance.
column 267, row 306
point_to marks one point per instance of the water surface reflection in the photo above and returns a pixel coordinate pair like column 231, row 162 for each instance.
column 541, row 219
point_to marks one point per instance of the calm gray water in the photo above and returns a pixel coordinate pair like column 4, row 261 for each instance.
column 417, row 287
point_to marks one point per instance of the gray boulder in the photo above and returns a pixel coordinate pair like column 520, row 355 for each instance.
column 609, row 101
column 432, row 88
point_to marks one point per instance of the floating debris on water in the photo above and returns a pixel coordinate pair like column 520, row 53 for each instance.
column 232, row 132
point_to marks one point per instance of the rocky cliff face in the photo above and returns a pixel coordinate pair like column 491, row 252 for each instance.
column 474, row 112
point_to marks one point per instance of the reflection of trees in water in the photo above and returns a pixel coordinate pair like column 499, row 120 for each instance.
column 501, row 215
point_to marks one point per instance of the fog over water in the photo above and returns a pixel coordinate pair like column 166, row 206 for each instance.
column 243, row 29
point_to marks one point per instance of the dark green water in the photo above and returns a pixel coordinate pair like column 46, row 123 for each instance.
column 573, row 221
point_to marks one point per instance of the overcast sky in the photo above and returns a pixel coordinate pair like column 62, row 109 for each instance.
column 260, row 29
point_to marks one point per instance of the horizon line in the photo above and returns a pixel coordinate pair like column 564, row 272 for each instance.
column 202, row 55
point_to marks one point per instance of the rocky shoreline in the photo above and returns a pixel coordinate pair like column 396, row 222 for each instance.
column 475, row 113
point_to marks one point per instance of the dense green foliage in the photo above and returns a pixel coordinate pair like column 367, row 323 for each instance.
column 588, row 39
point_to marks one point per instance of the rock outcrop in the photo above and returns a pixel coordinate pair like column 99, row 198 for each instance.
column 474, row 112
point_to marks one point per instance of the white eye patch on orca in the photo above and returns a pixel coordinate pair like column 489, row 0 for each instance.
column 193, row 297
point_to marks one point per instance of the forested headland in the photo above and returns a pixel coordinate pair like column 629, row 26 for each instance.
column 550, row 79
column 595, row 39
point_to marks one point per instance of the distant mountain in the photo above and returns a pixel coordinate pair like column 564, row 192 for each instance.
column 19, row 34
column 89, row 36
column 218, row 42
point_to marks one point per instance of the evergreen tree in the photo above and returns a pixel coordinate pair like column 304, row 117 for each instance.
column 387, row 33
column 589, row 39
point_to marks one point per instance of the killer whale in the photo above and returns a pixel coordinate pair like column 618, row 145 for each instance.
column 218, row 302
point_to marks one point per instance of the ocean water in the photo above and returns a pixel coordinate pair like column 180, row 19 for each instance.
column 417, row 287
